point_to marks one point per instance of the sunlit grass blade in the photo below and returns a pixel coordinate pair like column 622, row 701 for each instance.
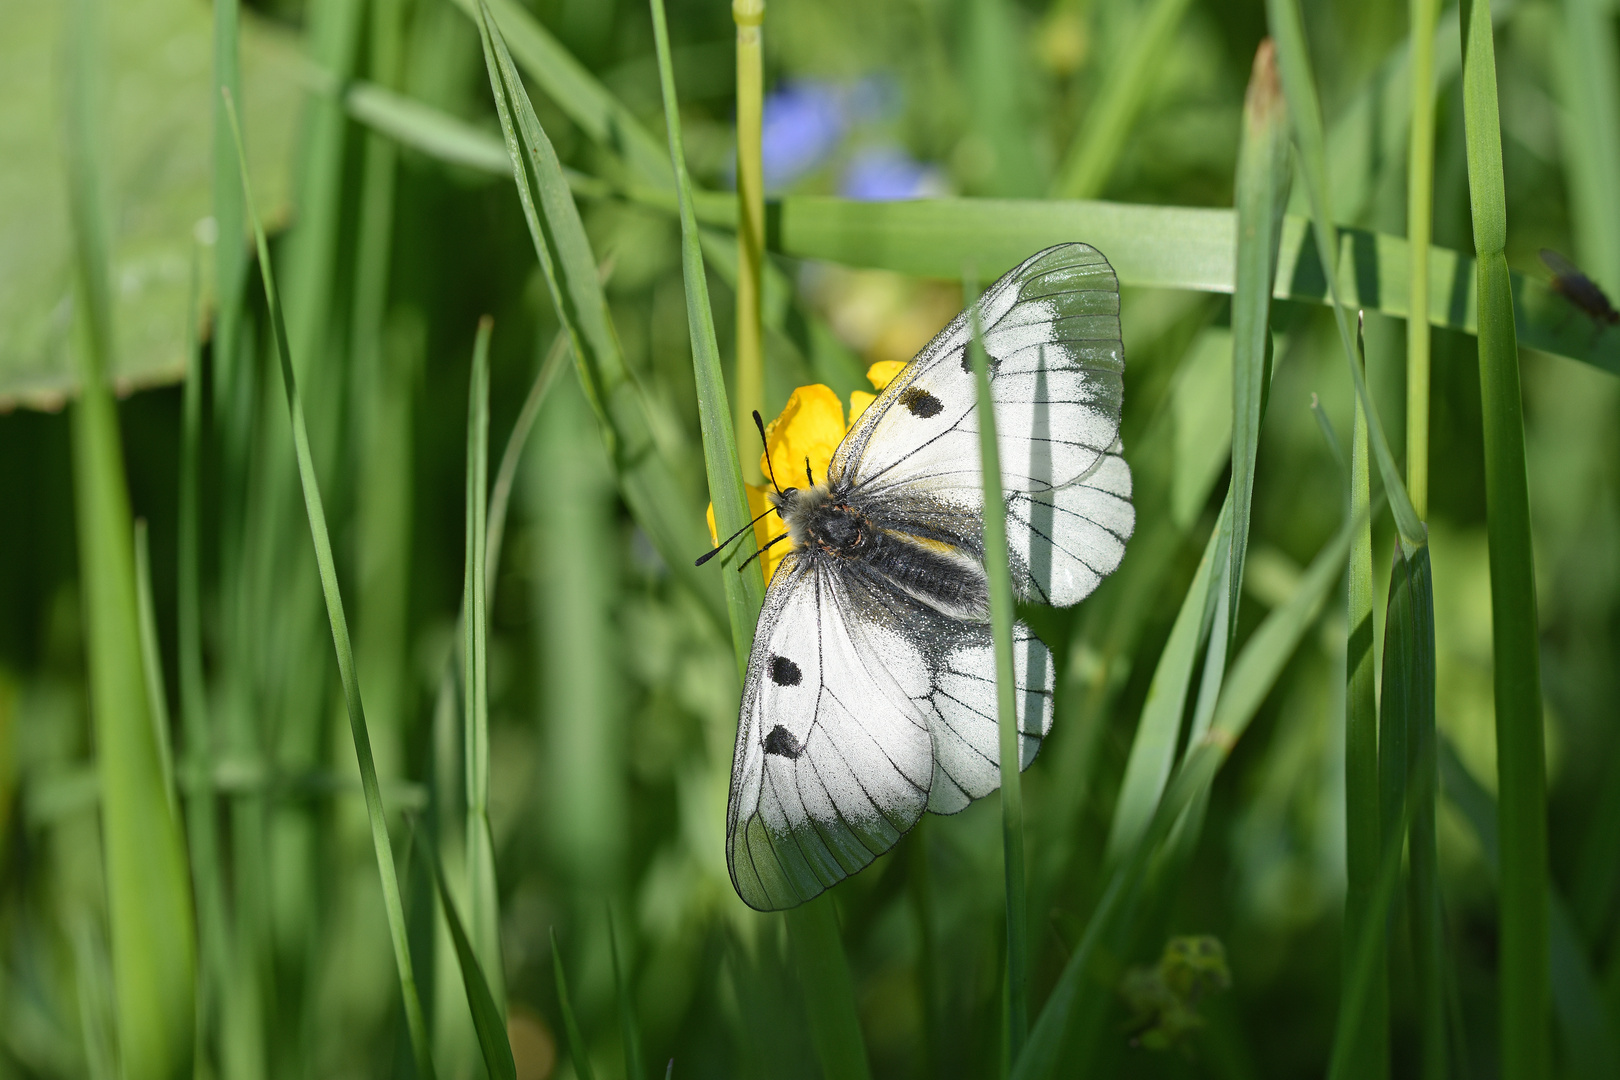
column 823, row 970
column 489, row 1018
column 999, row 580
column 1153, row 750
column 316, row 513
column 437, row 134
column 1591, row 1044
column 1097, row 145
column 482, row 896
column 1407, row 707
column 1520, row 742
column 622, row 991
column 230, row 244
column 1261, row 195
column 1075, row 999
column 1419, row 227
column 148, row 880
column 1294, row 65
column 157, row 696
column 1364, row 841
column 744, row 590
column 750, row 372
column 576, row 1041
column 654, row 494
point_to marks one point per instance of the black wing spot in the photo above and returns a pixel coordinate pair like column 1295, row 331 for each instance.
column 781, row 742
column 785, row 672
column 920, row 402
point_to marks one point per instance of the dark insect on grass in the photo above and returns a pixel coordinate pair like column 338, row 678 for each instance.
column 1573, row 285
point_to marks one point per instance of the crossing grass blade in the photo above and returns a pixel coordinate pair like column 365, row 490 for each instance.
column 148, row 882
column 1098, row 143
column 1294, row 64
column 1364, row 842
column 488, row 1017
column 745, row 589
column 316, row 513
column 656, row 498
column 500, row 495
column 1520, row 741
column 999, row 580
column 230, row 243
column 1174, row 247
column 576, row 1041
column 1262, row 196
column 482, row 895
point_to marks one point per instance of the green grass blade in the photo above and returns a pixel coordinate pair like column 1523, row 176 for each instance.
column 622, row 991
column 576, row 1041
column 1521, row 761
column 157, row 696
column 1589, row 1039
column 823, row 970
column 1588, row 83
column 1407, row 706
column 1262, row 195
column 437, row 134
column 1364, row 842
column 652, row 491
column 999, row 579
column 994, row 70
column 1294, row 64
column 489, row 1019
column 482, row 896
column 1098, row 143
column 744, row 590
column 603, row 118
column 316, row 513
column 1419, row 227
column 1153, row 750
column 500, row 495
column 147, row 877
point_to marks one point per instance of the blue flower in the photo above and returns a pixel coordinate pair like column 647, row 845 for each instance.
column 886, row 172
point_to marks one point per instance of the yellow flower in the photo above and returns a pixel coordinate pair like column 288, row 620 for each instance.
column 805, row 434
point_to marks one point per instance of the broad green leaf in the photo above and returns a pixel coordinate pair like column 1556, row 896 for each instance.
column 156, row 99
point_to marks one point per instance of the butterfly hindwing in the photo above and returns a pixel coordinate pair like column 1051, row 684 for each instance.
column 834, row 757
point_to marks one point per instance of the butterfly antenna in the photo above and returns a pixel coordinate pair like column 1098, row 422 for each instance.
column 807, row 474
column 722, row 545
column 760, row 424
column 762, row 550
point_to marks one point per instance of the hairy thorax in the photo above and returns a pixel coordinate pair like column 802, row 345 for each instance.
column 832, row 523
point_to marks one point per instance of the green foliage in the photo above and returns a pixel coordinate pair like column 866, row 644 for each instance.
column 1343, row 755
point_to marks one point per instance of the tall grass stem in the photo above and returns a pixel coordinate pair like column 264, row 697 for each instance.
column 749, row 16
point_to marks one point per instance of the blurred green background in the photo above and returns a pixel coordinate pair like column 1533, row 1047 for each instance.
column 376, row 158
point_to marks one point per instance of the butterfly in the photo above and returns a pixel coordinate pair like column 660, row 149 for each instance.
column 870, row 692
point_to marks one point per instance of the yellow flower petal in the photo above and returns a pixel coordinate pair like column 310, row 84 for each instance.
column 810, row 428
column 882, row 373
column 858, row 401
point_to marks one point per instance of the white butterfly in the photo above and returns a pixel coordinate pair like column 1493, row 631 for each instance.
column 870, row 694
